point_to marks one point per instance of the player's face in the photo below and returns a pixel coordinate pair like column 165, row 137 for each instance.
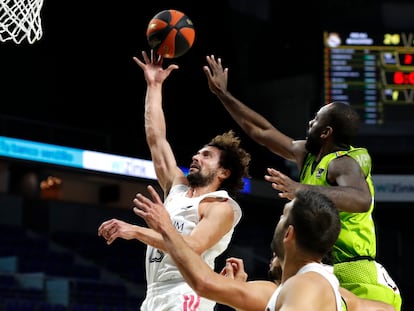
column 280, row 231
column 316, row 127
column 204, row 167
column 313, row 142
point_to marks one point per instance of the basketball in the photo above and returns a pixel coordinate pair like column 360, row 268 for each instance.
column 170, row 33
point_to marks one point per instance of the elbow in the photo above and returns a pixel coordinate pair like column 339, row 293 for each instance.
column 200, row 289
column 364, row 206
column 154, row 133
column 367, row 202
column 205, row 287
column 151, row 138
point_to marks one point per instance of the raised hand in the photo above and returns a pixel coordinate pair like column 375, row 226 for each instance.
column 286, row 186
column 216, row 75
column 152, row 67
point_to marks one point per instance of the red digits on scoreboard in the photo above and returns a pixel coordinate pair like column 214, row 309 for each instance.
column 408, row 59
column 400, row 77
column 411, row 78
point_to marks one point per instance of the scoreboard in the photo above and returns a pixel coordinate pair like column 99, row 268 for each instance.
column 373, row 72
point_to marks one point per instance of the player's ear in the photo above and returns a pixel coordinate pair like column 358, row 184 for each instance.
column 327, row 132
column 224, row 173
column 290, row 232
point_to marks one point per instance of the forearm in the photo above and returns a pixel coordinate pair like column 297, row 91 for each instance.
column 150, row 237
column 257, row 127
column 249, row 120
column 204, row 280
column 346, row 198
column 194, row 270
column 154, row 115
column 162, row 156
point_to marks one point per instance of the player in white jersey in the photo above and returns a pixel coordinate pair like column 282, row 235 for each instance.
column 273, row 303
column 201, row 204
column 234, row 269
column 297, row 240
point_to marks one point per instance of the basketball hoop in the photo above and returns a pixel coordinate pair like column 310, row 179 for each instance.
column 19, row 20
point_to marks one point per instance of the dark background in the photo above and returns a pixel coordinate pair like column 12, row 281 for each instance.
column 78, row 86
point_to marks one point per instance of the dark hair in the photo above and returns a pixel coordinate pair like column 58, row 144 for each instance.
column 316, row 221
column 345, row 122
column 233, row 158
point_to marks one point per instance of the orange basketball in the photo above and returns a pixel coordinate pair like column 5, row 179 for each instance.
column 170, row 33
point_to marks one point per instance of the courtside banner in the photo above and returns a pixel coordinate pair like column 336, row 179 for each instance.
column 77, row 158
column 82, row 159
column 394, row 188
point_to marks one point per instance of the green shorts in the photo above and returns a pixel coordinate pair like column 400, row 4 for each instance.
column 368, row 279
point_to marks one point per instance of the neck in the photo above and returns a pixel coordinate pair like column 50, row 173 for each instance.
column 291, row 266
column 198, row 191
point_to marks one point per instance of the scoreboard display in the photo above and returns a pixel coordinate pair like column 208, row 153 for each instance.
column 373, row 72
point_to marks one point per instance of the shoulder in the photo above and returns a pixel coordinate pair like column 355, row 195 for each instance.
column 345, row 171
column 309, row 288
column 344, row 164
column 307, row 278
column 360, row 155
column 220, row 205
column 222, row 196
column 177, row 189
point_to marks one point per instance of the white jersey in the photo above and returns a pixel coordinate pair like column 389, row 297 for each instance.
column 161, row 270
column 314, row 267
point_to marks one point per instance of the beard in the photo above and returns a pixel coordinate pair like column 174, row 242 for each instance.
column 313, row 144
column 277, row 242
column 275, row 274
column 197, row 179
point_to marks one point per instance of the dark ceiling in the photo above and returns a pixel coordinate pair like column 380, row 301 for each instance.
column 78, row 85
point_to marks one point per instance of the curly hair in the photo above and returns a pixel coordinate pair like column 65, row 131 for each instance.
column 233, row 158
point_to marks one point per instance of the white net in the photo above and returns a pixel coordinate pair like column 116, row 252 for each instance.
column 20, row 20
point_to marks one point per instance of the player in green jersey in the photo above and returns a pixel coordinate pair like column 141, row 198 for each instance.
column 328, row 162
